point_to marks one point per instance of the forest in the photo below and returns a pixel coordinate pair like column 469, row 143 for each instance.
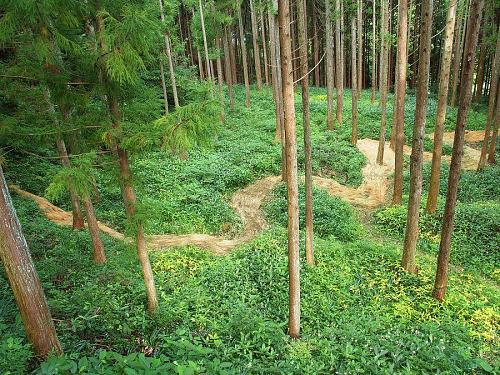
column 249, row 187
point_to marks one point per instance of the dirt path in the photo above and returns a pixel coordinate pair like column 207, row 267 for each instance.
column 247, row 202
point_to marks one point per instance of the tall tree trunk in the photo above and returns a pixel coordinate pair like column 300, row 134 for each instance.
column 264, row 47
column 232, row 54
column 473, row 24
column 480, row 73
column 97, row 245
column 205, row 44
column 329, row 65
column 24, row 280
column 244, row 57
column 494, row 135
column 457, row 55
column 399, row 100
column 417, row 154
column 227, row 66
column 130, row 202
column 317, row 71
column 164, row 87
column 374, row 54
column 360, row 45
column 200, row 65
column 444, row 80
column 256, row 50
column 339, row 57
column 168, row 52
column 355, row 83
column 302, row 34
column 384, row 65
column 291, row 162
column 219, row 80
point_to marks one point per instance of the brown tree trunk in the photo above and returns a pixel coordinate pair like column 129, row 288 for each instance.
column 384, row 62
column 24, row 280
column 339, row 57
column 227, row 66
column 491, row 104
column 291, row 162
column 360, row 46
column 417, row 154
column 329, row 65
column 355, row 84
column 210, row 74
column 164, row 87
column 244, row 57
column 302, row 34
column 264, row 47
column 399, row 100
column 473, row 24
column 494, row 136
column 232, row 55
column 97, row 245
column 256, row 50
column 457, row 55
column 374, row 56
column 168, row 52
column 219, row 80
column 317, row 71
column 130, row 202
column 480, row 73
column 444, row 80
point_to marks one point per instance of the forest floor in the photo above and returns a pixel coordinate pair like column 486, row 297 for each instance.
column 227, row 314
column 247, row 202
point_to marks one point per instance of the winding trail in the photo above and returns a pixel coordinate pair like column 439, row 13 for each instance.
column 247, row 202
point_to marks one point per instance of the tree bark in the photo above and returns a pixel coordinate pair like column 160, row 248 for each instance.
column 491, row 104
column 360, row 46
column 384, row 65
column 205, row 44
column 256, row 49
column 399, row 100
column 244, row 57
column 329, row 65
column 494, row 136
column 339, row 69
column 480, row 73
column 219, row 80
column 473, row 24
column 417, row 154
column 302, row 34
column 457, row 56
column 291, row 161
column 264, row 47
column 317, row 71
column 24, row 280
column 97, row 245
column 354, row 80
column 374, row 55
column 168, row 52
column 444, row 80
column 227, row 66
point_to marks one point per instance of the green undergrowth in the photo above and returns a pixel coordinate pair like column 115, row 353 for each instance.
column 360, row 312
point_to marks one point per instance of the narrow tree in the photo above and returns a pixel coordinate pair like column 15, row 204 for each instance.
column 384, row 67
column 329, row 64
column 374, row 53
column 417, row 154
column 458, row 53
column 291, row 163
column 304, row 74
column 475, row 13
column 339, row 58
column 360, row 45
column 494, row 135
column 444, row 80
column 399, row 100
column 264, row 47
column 227, row 66
column 256, row 49
column 168, row 52
column 24, row 280
column 219, row 78
column 244, row 57
column 210, row 74
column 354, row 80
column 491, row 104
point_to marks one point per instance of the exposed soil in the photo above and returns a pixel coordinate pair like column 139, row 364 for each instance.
column 247, row 202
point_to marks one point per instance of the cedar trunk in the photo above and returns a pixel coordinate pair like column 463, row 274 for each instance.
column 24, row 280
column 354, row 83
column 339, row 58
column 244, row 57
column 256, row 50
column 329, row 65
column 291, row 162
column 473, row 23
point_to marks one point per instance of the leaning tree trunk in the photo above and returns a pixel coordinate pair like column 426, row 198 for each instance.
column 291, row 162
column 256, row 49
column 491, row 104
column 244, row 57
column 329, row 65
column 399, row 101
column 355, row 84
column 468, row 61
column 130, row 202
column 444, row 80
column 339, row 54
column 374, row 55
column 302, row 33
column 24, row 280
column 384, row 65
column 417, row 152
